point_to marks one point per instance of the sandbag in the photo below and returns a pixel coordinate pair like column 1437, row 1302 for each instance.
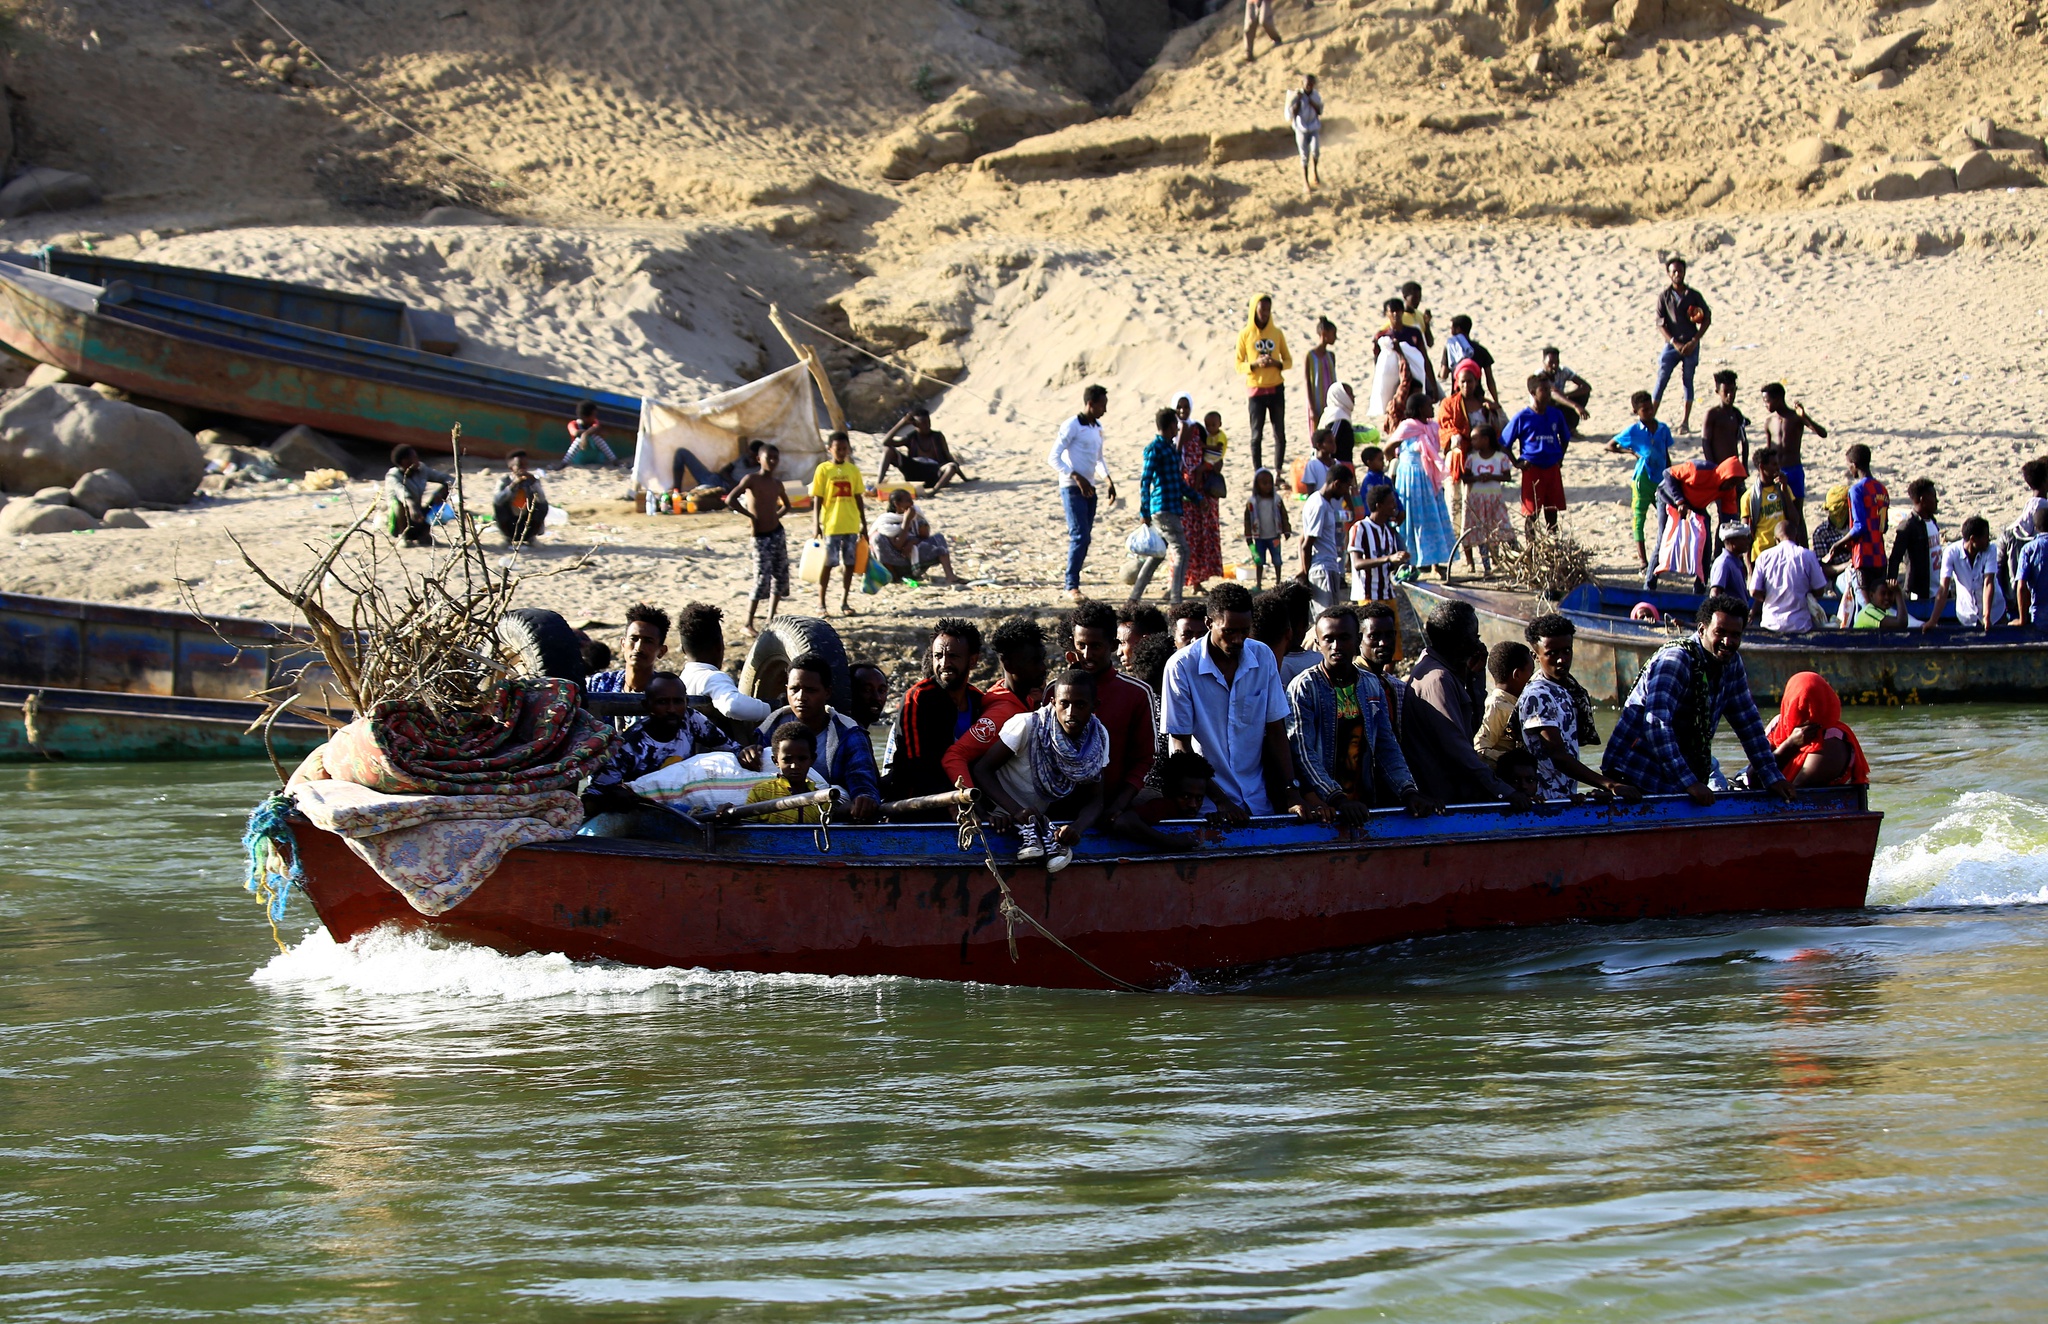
column 1386, row 374
column 706, row 781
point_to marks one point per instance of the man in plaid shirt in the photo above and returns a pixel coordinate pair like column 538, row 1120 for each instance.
column 1664, row 738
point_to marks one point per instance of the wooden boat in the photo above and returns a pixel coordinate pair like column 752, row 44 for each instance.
column 910, row 901
column 1948, row 665
column 99, row 681
column 307, row 356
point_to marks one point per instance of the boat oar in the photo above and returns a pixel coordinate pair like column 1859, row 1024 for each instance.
column 924, row 804
column 831, row 795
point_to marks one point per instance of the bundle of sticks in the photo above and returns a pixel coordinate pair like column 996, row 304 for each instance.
column 1547, row 561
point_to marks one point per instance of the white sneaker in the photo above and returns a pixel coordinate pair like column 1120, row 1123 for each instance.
column 1030, row 842
column 1059, row 858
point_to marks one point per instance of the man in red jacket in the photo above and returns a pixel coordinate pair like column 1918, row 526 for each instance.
column 935, row 712
column 1124, row 706
column 1020, row 653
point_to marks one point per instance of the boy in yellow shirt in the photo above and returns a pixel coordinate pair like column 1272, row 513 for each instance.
column 795, row 750
column 840, row 517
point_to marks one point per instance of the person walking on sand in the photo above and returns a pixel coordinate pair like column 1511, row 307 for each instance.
column 1077, row 458
column 1258, row 14
column 1263, row 359
column 1682, row 319
column 1305, row 116
column 761, row 497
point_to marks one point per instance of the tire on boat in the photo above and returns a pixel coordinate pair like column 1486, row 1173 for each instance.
column 538, row 642
column 784, row 639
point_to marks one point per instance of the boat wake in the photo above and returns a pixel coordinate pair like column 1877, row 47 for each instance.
column 1990, row 849
column 409, row 963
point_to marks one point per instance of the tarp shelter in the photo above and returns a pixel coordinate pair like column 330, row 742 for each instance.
column 779, row 408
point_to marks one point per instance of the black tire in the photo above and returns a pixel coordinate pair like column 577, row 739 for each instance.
column 766, row 673
column 538, row 642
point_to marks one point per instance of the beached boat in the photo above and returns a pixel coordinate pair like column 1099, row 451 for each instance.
column 283, row 353
column 1948, row 665
column 91, row 680
column 911, row 901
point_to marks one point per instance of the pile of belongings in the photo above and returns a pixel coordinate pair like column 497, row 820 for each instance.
column 433, row 802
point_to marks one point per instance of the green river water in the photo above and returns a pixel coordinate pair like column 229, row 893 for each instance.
column 1833, row 1118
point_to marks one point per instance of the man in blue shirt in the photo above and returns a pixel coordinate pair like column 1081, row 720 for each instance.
column 1663, row 741
column 2030, row 581
column 1650, row 442
column 1162, row 493
column 1536, row 439
column 1222, row 697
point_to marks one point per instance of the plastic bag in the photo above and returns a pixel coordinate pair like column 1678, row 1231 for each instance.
column 1145, row 541
column 875, row 577
column 706, row 781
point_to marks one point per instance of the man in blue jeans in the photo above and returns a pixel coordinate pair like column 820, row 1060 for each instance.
column 1077, row 458
column 1682, row 319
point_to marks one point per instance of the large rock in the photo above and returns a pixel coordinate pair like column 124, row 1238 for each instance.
column 45, row 188
column 993, row 113
column 58, row 434
column 103, row 490
column 1811, row 153
column 19, row 518
column 124, row 519
column 52, row 496
column 1908, row 179
column 1883, row 52
column 303, row 450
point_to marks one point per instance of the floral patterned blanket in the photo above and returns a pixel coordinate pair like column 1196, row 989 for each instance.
column 529, row 736
column 434, row 849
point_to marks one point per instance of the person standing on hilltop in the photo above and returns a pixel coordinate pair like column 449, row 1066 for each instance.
column 1305, row 117
column 1263, row 359
column 1077, row 458
column 1258, row 14
column 1682, row 319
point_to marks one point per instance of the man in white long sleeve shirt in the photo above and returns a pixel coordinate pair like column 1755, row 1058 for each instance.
column 1077, row 458
column 1305, row 116
column 703, row 631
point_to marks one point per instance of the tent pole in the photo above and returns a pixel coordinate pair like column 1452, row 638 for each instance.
column 809, row 358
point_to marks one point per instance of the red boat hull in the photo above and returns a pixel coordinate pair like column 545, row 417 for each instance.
column 1155, row 921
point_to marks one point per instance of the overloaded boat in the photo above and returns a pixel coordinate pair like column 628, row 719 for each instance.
column 283, row 353
column 1948, row 664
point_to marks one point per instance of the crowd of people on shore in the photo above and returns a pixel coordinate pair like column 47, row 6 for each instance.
column 1429, row 467
column 1234, row 707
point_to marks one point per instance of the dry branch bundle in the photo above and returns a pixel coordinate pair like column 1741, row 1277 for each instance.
column 1547, row 561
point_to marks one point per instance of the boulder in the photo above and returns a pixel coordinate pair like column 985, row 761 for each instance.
column 26, row 517
column 58, row 434
column 1638, row 18
column 1977, row 170
column 1884, row 80
column 993, row 112
column 1888, row 51
column 1456, row 121
column 49, row 374
column 123, row 519
column 1811, row 153
column 102, row 490
column 302, row 450
column 1907, row 179
column 45, row 188
column 52, row 496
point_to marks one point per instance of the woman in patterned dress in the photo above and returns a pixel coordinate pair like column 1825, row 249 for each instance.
column 1198, row 517
column 1418, row 481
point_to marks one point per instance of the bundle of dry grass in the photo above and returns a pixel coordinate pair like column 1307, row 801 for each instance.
column 1547, row 561
column 429, row 637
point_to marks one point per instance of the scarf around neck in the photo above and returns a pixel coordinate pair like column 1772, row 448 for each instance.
column 1695, row 724
column 1058, row 764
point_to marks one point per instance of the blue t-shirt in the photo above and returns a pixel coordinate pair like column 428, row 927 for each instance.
column 2033, row 572
column 1538, row 438
column 1652, row 449
column 1729, row 577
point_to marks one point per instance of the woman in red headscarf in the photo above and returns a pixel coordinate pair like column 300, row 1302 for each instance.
column 1462, row 410
column 1814, row 746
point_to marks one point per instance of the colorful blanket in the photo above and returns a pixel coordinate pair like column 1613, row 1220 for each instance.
column 529, row 736
column 435, row 849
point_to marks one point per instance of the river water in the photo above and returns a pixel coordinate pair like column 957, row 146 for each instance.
column 1836, row 1118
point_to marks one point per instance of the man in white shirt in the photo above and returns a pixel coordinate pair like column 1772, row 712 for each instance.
column 1305, row 115
column 1780, row 581
column 703, row 632
column 1969, row 572
column 1077, row 458
column 1322, row 538
column 1222, row 698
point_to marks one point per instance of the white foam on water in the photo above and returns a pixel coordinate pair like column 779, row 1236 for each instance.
column 1990, row 849
column 390, row 962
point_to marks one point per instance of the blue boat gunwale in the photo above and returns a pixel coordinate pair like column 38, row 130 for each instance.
column 46, row 260
column 936, row 845
column 107, row 613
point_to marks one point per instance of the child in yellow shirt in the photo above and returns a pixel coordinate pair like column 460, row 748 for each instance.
column 1510, row 667
column 796, row 749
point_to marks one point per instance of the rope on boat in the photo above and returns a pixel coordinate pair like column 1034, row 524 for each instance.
column 971, row 833
column 273, row 859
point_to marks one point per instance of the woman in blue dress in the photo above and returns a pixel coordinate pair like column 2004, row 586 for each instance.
column 1419, row 482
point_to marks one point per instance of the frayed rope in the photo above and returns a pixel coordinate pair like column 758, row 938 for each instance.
column 273, row 859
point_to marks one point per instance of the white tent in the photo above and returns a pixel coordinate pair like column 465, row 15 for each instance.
column 779, row 408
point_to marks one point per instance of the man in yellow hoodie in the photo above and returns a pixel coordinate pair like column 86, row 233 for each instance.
column 1263, row 359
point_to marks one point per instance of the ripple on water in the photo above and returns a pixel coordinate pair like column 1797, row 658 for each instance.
column 1989, row 849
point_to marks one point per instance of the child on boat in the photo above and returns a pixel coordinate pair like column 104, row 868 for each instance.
column 795, row 748
column 1044, row 756
column 1510, row 666
column 1519, row 770
column 1183, row 787
column 1557, row 717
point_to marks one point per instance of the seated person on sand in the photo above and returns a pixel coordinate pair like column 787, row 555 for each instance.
column 646, row 644
column 840, row 749
column 405, row 491
column 794, row 748
column 903, row 541
column 1342, row 732
column 923, row 456
column 669, row 733
column 586, row 439
column 1044, row 756
column 689, row 472
column 702, row 632
column 935, row 712
column 520, row 509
